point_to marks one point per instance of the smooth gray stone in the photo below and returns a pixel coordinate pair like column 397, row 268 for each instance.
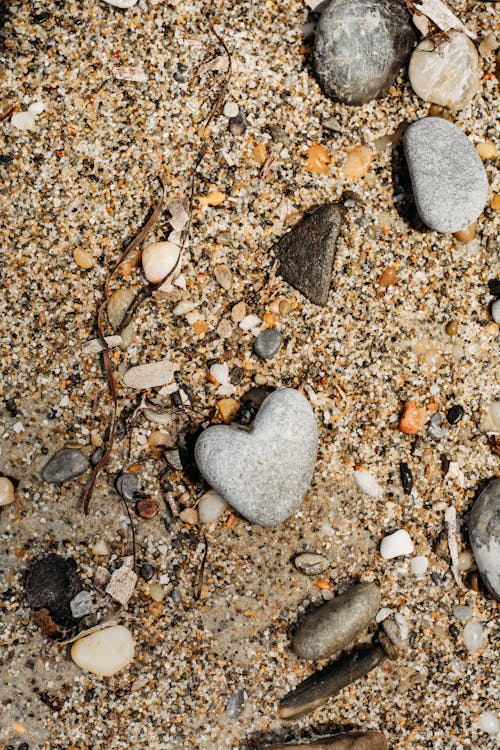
column 484, row 535
column 449, row 182
column 360, row 46
column 64, row 465
column 333, row 626
column 306, row 253
column 267, row 343
column 263, row 471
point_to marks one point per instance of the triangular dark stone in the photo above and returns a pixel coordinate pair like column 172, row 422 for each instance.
column 307, row 251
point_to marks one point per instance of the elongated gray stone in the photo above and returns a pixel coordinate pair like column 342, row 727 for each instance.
column 359, row 47
column 307, row 251
column 333, row 626
column 263, row 471
column 64, row 465
column 345, row 741
column 484, row 535
column 449, row 183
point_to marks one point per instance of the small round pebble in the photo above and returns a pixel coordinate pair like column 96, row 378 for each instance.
column 311, row 563
column 211, row 507
column 126, row 486
column 82, row 258
column 495, row 311
column 396, row 545
column 37, row 108
column 7, row 493
column 106, row 652
column 23, row 120
column 267, row 343
column 419, row 565
column 81, row 604
column 488, row 721
column 462, row 612
column 486, row 149
column 147, row 508
column 367, row 483
column 231, row 109
column 455, row 414
column 64, row 465
column 473, row 636
column 158, row 260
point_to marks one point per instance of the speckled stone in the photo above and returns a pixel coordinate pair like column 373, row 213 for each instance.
column 307, row 252
column 449, row 183
column 267, row 343
column 264, row 471
column 484, row 535
column 360, row 46
column 65, row 465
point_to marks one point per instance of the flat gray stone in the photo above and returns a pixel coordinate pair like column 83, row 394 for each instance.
column 307, row 251
column 263, row 471
column 484, row 535
column 267, row 343
column 448, row 179
column 65, row 465
column 360, row 46
column 333, row 626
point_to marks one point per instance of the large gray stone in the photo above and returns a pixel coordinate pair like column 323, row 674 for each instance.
column 307, row 251
column 484, row 535
column 360, row 46
column 449, row 183
column 65, row 465
column 263, row 471
column 333, row 626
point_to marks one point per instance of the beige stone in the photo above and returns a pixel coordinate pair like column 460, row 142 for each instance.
column 106, row 652
column 357, row 162
column 82, row 258
column 7, row 494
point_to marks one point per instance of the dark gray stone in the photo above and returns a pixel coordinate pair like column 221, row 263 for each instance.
column 267, row 343
column 126, row 485
column 333, row 626
column 306, row 253
column 369, row 740
column 51, row 584
column 65, row 465
column 359, row 47
column 484, row 535
column 263, row 471
column 448, row 179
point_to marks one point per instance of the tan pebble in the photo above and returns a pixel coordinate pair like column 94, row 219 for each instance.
column 227, row 408
column 159, row 259
column 225, row 329
column 200, row 327
column 189, row 515
column 467, row 234
column 260, row 153
column 413, row 418
column 357, row 162
column 157, row 438
column 214, row 198
column 155, row 609
column 82, row 258
column 156, row 592
column 224, row 276
column 318, row 159
column 465, row 561
column 117, row 305
column 495, row 203
column 260, row 379
column 284, row 307
column 486, row 149
column 7, row 493
column 452, row 328
column 105, row 652
column 270, row 319
column 239, row 312
column 435, row 110
column 387, row 278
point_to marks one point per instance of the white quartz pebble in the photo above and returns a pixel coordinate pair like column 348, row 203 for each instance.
column 367, row 483
column 6, row 491
column 462, row 612
column 396, row 544
column 23, row 120
column 37, row 108
column 100, row 548
column 249, row 322
column 121, row 3
column 495, row 311
column 105, row 652
column 184, row 307
column 159, row 259
column 211, row 507
column 419, row 565
column 489, row 723
column 473, row 636
column 231, row 109
column 220, row 372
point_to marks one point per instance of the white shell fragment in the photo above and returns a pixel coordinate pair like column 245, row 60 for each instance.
column 94, row 346
column 23, row 120
column 105, row 652
column 211, row 507
column 143, row 377
column 122, row 584
column 7, row 495
column 396, row 545
column 367, row 483
column 37, row 108
column 159, row 260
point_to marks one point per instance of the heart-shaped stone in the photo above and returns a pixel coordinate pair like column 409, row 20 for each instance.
column 263, row 471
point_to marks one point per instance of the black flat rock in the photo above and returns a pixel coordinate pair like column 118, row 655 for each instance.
column 51, row 584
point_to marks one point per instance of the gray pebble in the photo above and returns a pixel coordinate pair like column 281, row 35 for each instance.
column 484, row 535
column 81, row 605
column 267, row 343
column 311, row 563
column 448, row 179
column 235, row 704
column 333, row 626
column 434, row 427
column 65, row 465
column 126, row 486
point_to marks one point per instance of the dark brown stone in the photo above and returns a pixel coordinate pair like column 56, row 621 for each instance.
column 147, row 508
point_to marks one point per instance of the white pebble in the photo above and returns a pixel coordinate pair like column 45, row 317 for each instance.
column 159, row 259
column 403, row 625
column 383, row 614
column 18, row 427
column 231, row 109
column 37, row 108
column 220, row 373
column 250, row 321
column 105, row 652
column 183, row 307
column 122, row 584
column 419, row 565
column 211, row 507
column 489, row 723
column 367, row 483
column 462, row 612
column 100, row 548
column 121, row 3
column 6, row 491
column 396, row 544
column 23, row 120
column 494, row 411
column 495, row 311
column 473, row 636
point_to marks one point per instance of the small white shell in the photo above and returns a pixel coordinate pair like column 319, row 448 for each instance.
column 159, row 259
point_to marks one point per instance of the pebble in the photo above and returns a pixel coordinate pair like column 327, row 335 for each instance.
column 455, row 414
column 434, row 427
column 237, row 125
column 81, row 605
column 359, row 47
column 357, row 162
column 484, row 535
column 121, row 3
column 396, row 629
column 473, row 636
column 156, row 592
column 51, row 584
column 7, row 491
column 106, row 652
column 396, row 545
column 100, row 548
column 367, row 483
column 231, row 109
column 264, row 471
column 449, row 183
column 82, row 258
column 220, row 372
column 331, row 627
column 147, row 508
column 462, row 612
column 250, row 322
column 486, row 150
column 66, row 464
column 224, row 276
column 23, row 120
column 489, row 723
column 152, row 375
column 495, row 311
column 239, row 312
column 159, row 259
column 211, row 506
column 344, row 741
column 126, row 485
column 406, row 477
column 268, row 343
column 419, row 565
column 466, row 235
column 465, row 560
column 446, row 71
column 306, row 253
column 235, row 704
column 412, row 419
column 117, row 305
column 311, row 563
column 122, row 584
column 190, row 516
column 94, row 346
column 37, row 108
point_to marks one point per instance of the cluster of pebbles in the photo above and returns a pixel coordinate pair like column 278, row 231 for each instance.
column 277, row 463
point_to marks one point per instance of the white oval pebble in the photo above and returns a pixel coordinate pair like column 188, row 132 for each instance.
column 250, row 321
column 105, row 652
column 158, row 260
column 495, row 311
column 211, row 507
column 6, row 491
column 121, row 3
column 23, row 120
column 489, row 723
column 395, row 545
column 220, row 373
column 367, row 483
column 473, row 636
column 183, row 307
column 419, row 565
column 462, row 613
column 37, row 108
column 100, row 548
column 231, row 109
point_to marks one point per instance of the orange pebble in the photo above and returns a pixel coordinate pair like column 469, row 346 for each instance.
column 155, row 608
column 323, row 584
column 318, row 159
column 412, row 419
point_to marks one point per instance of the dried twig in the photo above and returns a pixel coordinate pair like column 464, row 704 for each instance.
column 201, row 572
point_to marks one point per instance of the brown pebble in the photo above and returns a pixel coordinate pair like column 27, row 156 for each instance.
column 147, row 508
column 467, row 234
column 495, row 203
column 435, row 110
column 387, row 278
column 238, row 312
column 452, row 328
column 228, row 408
column 473, row 582
column 155, row 609
column 189, row 515
column 412, row 419
column 284, row 306
column 224, row 276
column 82, row 258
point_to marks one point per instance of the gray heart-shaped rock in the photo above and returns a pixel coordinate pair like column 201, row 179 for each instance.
column 263, row 471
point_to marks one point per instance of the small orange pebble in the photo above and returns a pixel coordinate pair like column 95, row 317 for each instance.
column 318, row 159
column 357, row 162
column 495, row 203
column 387, row 278
column 323, row 584
column 213, row 198
column 227, row 408
column 116, row 354
column 324, row 380
column 155, row 608
column 19, row 552
column 135, row 468
column 260, row 153
column 211, row 379
column 82, row 258
column 231, row 521
column 412, row 419
column 250, row 613
column 200, row 327
column 269, row 319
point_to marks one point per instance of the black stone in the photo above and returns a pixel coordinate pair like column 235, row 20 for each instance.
column 41, row 17
column 455, row 414
column 11, row 407
column 306, row 253
column 146, row 571
column 406, row 477
column 237, row 125
column 494, row 287
column 65, row 465
column 236, row 376
column 360, row 46
column 51, row 584
column 6, row 159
